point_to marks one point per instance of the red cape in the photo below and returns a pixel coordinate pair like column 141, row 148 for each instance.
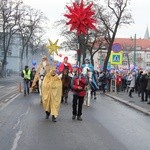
column 61, row 67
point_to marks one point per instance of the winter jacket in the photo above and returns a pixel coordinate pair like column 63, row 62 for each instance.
column 131, row 78
column 143, row 82
column 77, row 82
column 148, row 84
column 118, row 80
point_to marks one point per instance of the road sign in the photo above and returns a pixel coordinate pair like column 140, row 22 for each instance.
column 116, row 48
column 116, row 58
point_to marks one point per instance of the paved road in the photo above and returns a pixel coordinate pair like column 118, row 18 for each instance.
column 9, row 88
column 106, row 125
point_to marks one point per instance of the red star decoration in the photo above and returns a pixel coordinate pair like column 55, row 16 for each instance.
column 81, row 18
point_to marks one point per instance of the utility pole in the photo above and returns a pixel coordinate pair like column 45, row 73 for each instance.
column 134, row 59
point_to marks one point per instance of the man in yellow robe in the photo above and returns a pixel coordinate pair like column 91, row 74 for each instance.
column 43, row 64
column 51, row 94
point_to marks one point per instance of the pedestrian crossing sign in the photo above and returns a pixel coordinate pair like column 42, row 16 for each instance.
column 116, row 58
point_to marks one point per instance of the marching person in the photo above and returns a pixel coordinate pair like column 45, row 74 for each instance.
column 51, row 94
column 33, row 72
column 78, row 84
column 44, row 65
column 102, row 80
column 131, row 79
column 148, row 87
column 26, row 75
column 118, row 82
column 64, row 64
column 143, row 84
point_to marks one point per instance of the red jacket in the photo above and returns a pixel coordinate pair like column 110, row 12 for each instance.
column 118, row 79
column 61, row 67
column 76, row 83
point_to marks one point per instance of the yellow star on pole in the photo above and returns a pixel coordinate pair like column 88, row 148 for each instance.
column 53, row 47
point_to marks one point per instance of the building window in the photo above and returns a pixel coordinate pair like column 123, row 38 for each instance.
column 124, row 63
column 124, row 55
column 138, row 48
column 128, row 48
column 148, row 64
column 2, row 53
column 9, row 53
column 148, row 55
column 139, row 55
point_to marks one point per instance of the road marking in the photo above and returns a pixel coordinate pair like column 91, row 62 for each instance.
column 6, row 100
column 11, row 100
column 13, row 87
column 8, row 93
column 19, row 119
column 12, row 96
column 16, row 140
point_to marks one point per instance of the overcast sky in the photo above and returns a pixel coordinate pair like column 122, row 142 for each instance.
column 54, row 10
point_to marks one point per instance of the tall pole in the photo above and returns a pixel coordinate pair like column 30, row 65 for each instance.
column 134, row 61
column 81, row 46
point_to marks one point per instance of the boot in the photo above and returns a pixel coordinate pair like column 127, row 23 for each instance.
column 73, row 117
column 54, row 118
column 66, row 100
column 130, row 96
column 79, row 118
column 47, row 115
column 62, row 100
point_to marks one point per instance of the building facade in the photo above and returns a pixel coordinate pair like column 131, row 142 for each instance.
column 14, row 52
column 135, row 52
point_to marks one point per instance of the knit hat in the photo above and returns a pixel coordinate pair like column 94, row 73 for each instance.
column 66, row 57
column 79, row 69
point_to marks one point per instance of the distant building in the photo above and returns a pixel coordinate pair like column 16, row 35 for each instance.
column 13, row 56
column 133, row 49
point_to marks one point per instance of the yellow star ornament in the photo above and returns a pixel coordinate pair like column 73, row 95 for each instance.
column 53, row 47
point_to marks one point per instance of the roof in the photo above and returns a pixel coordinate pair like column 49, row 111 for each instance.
column 129, row 42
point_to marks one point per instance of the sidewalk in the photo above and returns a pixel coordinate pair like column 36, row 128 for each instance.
column 134, row 102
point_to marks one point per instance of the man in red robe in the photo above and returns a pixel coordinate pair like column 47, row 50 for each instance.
column 65, row 64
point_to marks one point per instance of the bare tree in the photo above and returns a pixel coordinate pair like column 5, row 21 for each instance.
column 112, row 17
column 128, row 48
column 9, row 15
column 89, row 44
column 109, row 18
column 70, row 38
column 30, row 25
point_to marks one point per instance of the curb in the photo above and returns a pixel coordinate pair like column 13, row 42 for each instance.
column 136, row 107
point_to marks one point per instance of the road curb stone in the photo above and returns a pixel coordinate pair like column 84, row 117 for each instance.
column 128, row 103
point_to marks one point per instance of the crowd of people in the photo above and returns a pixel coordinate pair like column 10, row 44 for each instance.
column 51, row 88
column 134, row 81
